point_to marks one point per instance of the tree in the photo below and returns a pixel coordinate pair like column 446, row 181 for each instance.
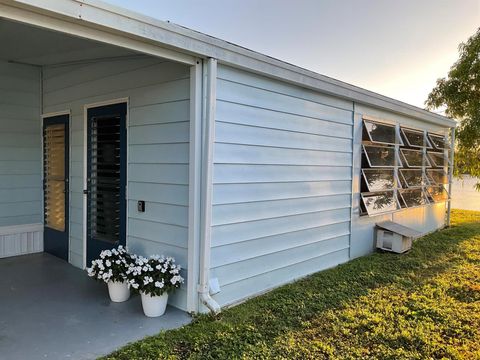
column 459, row 94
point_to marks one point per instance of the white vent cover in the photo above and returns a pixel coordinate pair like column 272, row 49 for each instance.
column 395, row 237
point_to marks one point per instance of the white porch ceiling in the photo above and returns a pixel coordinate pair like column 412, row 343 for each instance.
column 32, row 45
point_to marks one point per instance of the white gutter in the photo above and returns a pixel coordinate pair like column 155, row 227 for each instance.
column 207, row 182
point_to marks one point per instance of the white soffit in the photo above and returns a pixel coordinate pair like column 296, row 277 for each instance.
column 104, row 22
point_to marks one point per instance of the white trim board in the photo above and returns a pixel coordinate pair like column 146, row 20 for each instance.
column 16, row 229
column 18, row 240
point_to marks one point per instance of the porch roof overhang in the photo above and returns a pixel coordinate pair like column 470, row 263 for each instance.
column 103, row 22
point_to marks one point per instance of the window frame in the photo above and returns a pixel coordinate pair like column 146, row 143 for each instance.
column 423, row 158
column 378, row 169
column 425, row 138
column 445, row 142
column 432, row 159
column 424, row 195
column 383, row 124
column 424, row 177
column 367, row 194
column 443, row 188
column 383, row 147
column 433, row 180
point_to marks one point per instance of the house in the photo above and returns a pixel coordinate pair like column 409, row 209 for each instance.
column 117, row 128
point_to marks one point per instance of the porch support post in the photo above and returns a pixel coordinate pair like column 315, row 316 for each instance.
column 450, row 175
column 194, row 184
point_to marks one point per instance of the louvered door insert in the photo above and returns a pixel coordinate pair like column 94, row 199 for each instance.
column 54, row 176
column 104, row 180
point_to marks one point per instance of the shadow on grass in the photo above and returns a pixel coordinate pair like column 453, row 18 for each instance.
column 259, row 322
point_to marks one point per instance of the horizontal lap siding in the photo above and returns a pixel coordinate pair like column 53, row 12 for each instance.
column 20, row 145
column 158, row 143
column 282, row 183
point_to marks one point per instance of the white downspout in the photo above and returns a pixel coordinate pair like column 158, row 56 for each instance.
column 207, row 184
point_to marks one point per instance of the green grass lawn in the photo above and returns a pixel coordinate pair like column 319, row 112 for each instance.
column 420, row 305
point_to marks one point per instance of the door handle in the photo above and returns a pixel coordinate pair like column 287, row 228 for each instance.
column 85, row 192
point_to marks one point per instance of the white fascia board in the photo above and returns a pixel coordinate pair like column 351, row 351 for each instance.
column 98, row 14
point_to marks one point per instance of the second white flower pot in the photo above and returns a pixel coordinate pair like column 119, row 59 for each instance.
column 154, row 306
column 118, row 291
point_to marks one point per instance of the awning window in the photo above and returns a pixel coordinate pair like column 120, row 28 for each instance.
column 381, row 133
column 413, row 177
column 379, row 156
column 414, row 158
column 415, row 138
column 437, row 176
column 381, row 202
column 379, row 179
column 438, row 193
column 438, row 159
column 438, row 141
column 413, row 197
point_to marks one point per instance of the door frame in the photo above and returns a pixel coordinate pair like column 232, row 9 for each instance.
column 126, row 101
column 44, row 116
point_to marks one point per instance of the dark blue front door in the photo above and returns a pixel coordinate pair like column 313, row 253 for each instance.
column 55, row 185
column 106, row 178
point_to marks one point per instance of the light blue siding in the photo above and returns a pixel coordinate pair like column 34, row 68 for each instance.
column 282, row 183
column 20, row 145
column 158, row 148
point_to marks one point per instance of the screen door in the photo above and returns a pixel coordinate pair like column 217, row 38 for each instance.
column 106, row 178
column 55, row 185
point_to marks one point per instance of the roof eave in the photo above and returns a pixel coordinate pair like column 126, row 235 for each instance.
column 171, row 37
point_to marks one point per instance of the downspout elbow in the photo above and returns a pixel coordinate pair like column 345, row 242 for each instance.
column 208, row 301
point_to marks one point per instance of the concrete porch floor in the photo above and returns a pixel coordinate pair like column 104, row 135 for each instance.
column 51, row 310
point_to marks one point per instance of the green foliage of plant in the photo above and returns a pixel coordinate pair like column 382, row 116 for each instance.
column 459, row 93
column 421, row 305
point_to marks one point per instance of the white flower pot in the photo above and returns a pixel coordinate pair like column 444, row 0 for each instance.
column 118, row 291
column 154, row 306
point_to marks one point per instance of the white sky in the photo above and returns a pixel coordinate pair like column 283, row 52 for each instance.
column 397, row 48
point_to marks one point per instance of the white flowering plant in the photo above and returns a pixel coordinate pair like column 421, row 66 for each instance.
column 111, row 266
column 154, row 276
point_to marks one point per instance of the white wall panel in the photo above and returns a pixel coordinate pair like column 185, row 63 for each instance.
column 20, row 149
column 21, row 240
column 281, row 183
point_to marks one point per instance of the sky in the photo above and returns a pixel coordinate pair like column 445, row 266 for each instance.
column 397, row 48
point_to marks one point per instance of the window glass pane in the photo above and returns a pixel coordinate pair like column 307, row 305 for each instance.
column 438, row 193
column 377, row 203
column 413, row 197
column 438, row 141
column 413, row 177
column 437, row 158
column 413, row 158
column 381, row 133
column 438, row 176
column 380, row 156
column 378, row 180
column 415, row 138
